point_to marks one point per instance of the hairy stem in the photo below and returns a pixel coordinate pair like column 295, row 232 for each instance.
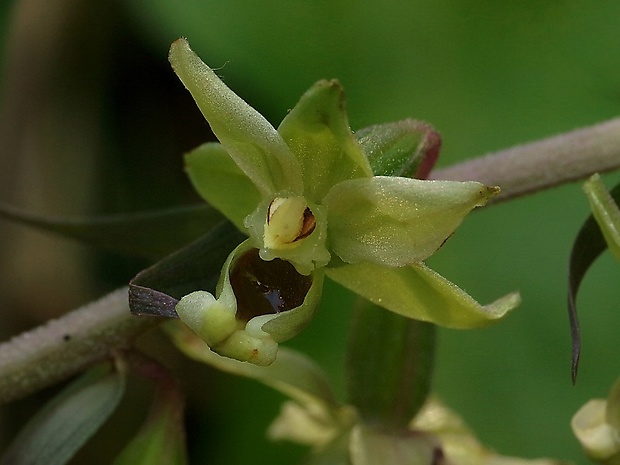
column 66, row 346
column 63, row 347
column 539, row 165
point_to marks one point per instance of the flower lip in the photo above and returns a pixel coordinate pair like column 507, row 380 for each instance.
column 266, row 287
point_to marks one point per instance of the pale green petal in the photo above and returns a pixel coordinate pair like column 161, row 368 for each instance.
column 597, row 438
column 374, row 447
column 317, row 131
column 250, row 140
column 418, row 292
column 218, row 179
column 311, row 423
column 605, row 211
column 292, row 373
column 395, row 221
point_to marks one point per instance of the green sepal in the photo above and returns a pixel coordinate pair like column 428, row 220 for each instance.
column 218, row 180
column 418, row 292
column 64, row 425
column 317, row 131
column 402, row 350
column 397, row 221
column 292, row 373
column 407, row 148
column 149, row 234
column 248, row 137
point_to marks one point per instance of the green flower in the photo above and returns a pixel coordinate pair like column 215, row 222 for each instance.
column 597, row 427
column 306, row 196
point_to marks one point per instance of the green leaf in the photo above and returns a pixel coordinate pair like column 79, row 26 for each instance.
column 397, row 221
column 146, row 234
column 292, row 373
column 418, row 292
column 407, row 148
column 250, row 140
column 156, row 290
column 402, row 351
column 62, row 427
column 589, row 244
column 219, row 181
column 317, row 131
column 161, row 439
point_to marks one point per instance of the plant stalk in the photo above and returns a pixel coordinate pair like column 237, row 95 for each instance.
column 66, row 346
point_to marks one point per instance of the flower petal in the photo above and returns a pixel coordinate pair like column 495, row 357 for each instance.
column 317, row 131
column 396, row 221
column 250, row 140
column 418, row 292
column 596, row 436
column 219, row 181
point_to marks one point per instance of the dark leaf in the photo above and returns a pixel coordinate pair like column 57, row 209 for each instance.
column 588, row 245
column 156, row 290
column 145, row 234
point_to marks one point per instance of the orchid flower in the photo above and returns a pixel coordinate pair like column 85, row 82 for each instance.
column 308, row 200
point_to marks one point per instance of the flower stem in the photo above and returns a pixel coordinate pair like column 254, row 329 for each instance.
column 63, row 347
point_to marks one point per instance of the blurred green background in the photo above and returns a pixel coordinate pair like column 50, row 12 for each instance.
column 92, row 120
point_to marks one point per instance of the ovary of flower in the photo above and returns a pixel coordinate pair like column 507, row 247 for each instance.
column 288, row 221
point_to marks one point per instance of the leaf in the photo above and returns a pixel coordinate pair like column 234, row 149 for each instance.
column 397, row 221
column 407, row 148
column 418, row 292
column 156, row 290
column 292, row 373
column 146, row 234
column 589, row 244
column 402, row 350
column 57, row 431
column 317, row 131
